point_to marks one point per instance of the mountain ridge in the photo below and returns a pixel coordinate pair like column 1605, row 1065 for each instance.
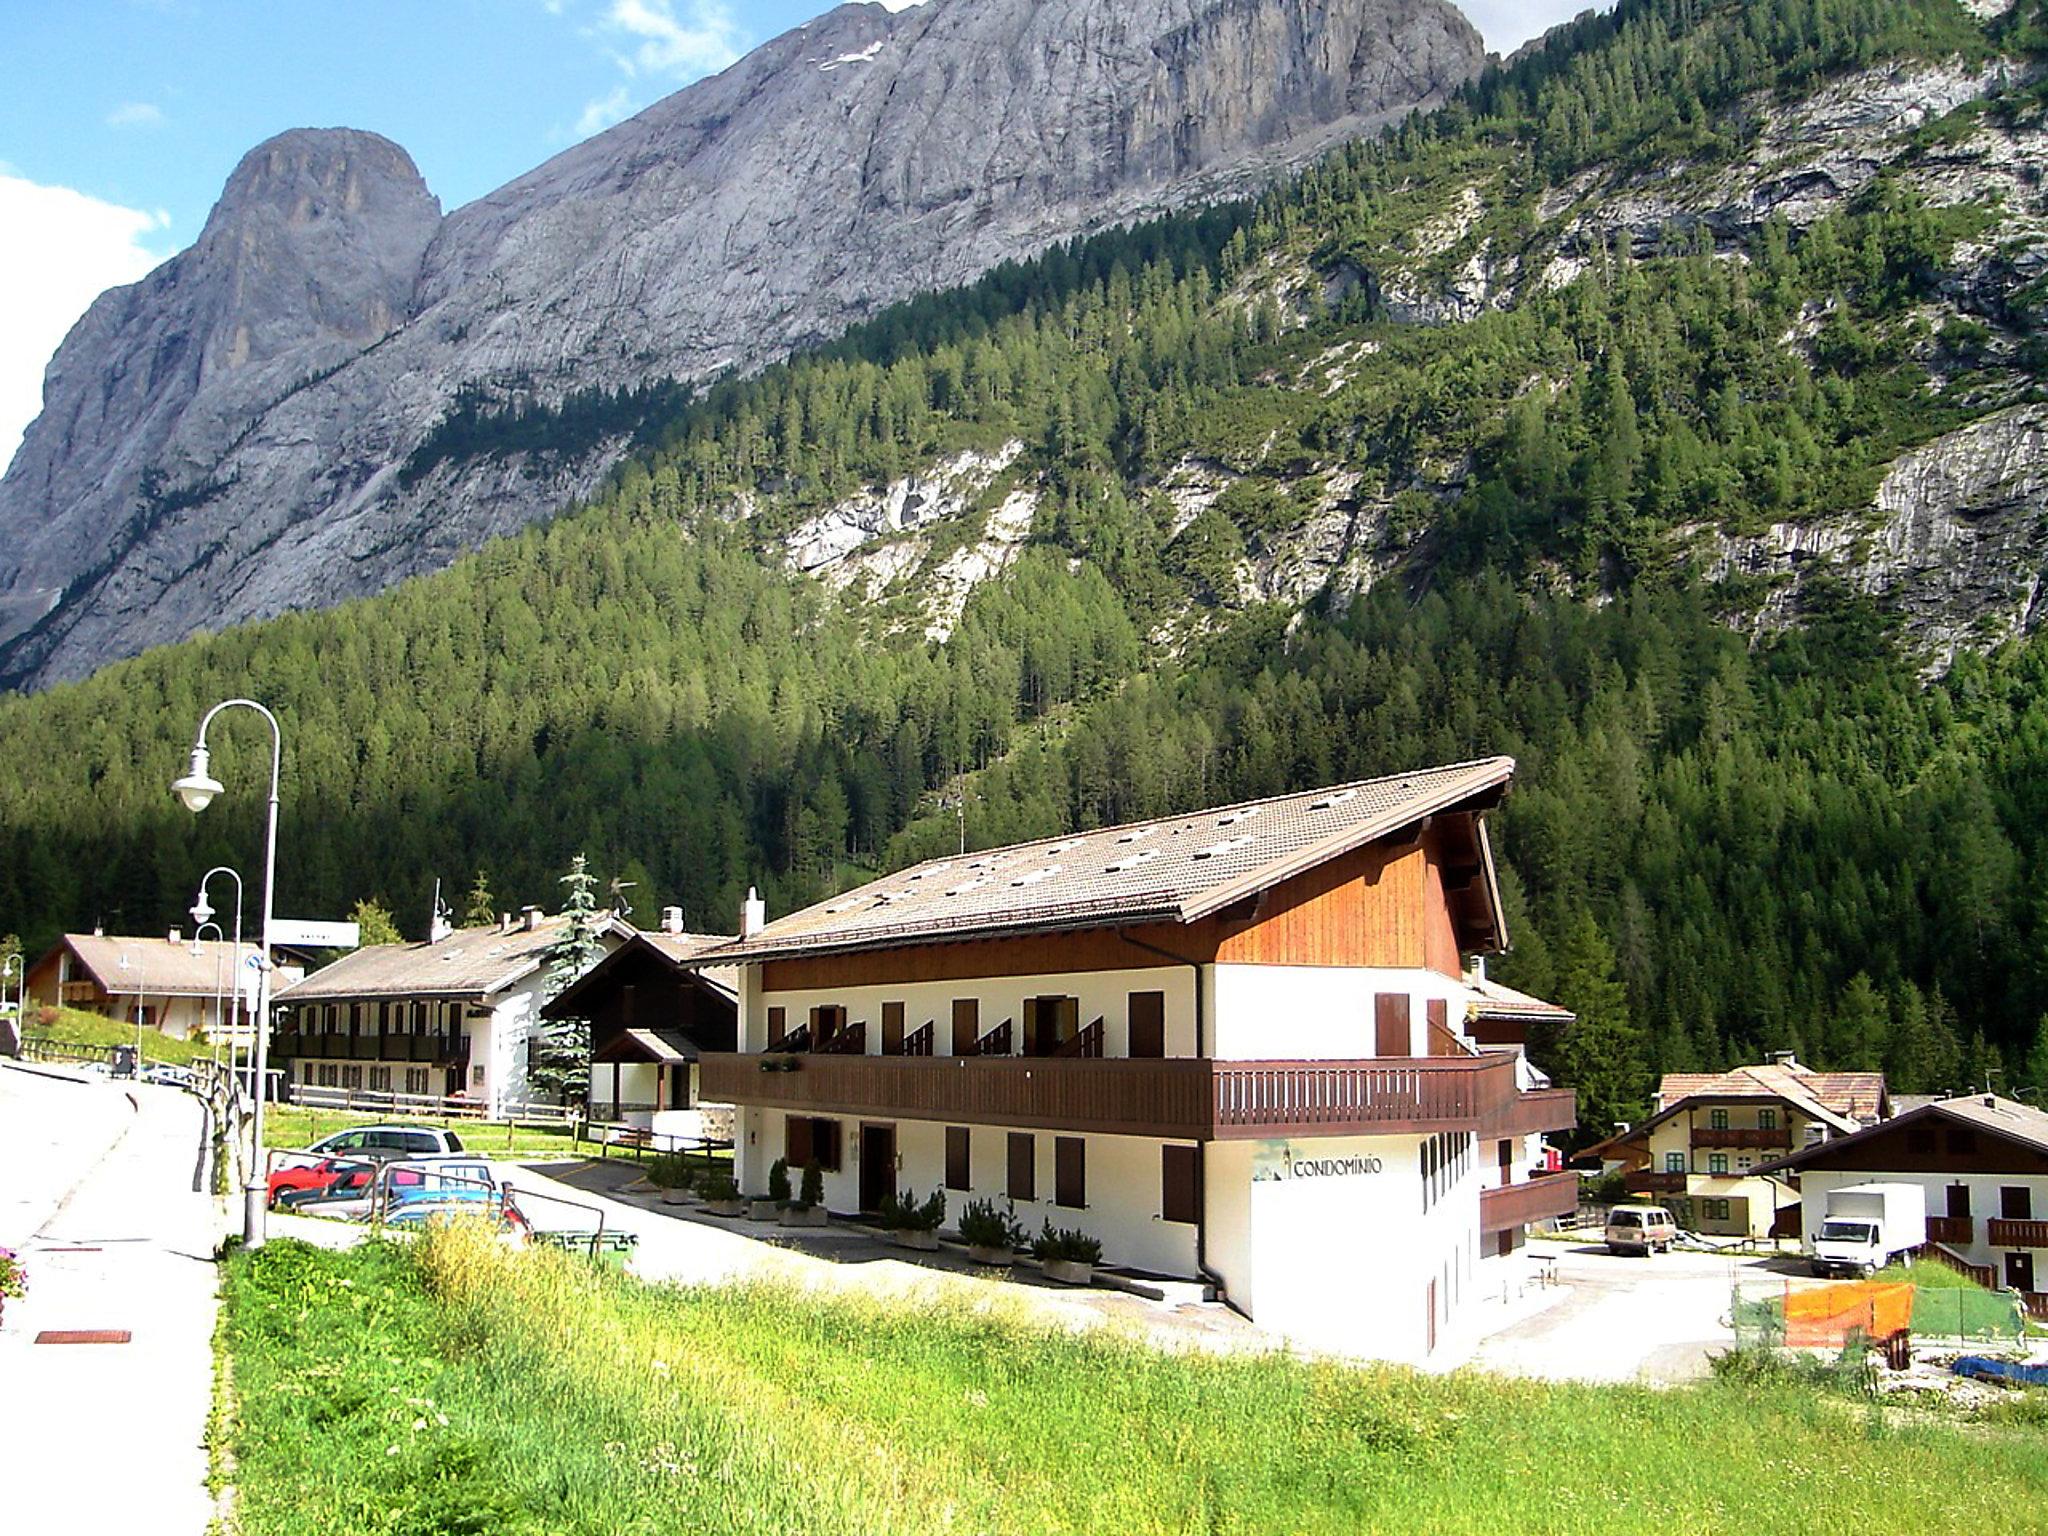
column 835, row 169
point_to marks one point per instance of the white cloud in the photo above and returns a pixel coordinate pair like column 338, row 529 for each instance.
column 614, row 106
column 702, row 41
column 65, row 249
column 136, row 114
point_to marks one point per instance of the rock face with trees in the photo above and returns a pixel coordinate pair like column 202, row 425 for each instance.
column 215, row 448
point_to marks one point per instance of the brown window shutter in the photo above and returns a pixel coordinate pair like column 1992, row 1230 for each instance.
column 1179, row 1199
column 892, row 1029
column 1023, row 1166
column 958, row 1149
column 1147, row 1015
column 825, row 1144
column 966, row 1025
column 1070, row 1171
column 1441, row 1040
column 778, row 1027
column 796, row 1141
column 1391, row 1013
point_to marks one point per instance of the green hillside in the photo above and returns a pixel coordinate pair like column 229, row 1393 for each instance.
column 1717, row 846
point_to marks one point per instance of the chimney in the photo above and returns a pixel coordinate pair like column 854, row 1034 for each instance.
column 671, row 919
column 1990, row 1101
column 438, row 926
column 1785, row 1059
column 504, row 922
column 753, row 914
column 530, row 918
column 177, row 937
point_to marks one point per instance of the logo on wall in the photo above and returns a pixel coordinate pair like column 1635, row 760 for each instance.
column 1275, row 1162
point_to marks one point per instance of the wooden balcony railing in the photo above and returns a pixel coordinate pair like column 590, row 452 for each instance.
column 997, row 1041
column 439, row 1049
column 2002, row 1232
column 1179, row 1097
column 919, row 1041
column 1533, row 1111
column 1647, row 1183
column 1951, row 1229
column 1087, row 1042
column 1542, row 1198
column 1747, row 1137
column 850, row 1040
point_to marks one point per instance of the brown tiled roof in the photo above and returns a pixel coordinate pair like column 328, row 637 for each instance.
column 470, row 962
column 1174, row 869
column 1848, row 1099
column 1494, row 1001
column 154, row 967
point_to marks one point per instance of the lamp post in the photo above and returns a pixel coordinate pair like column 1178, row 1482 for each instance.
column 218, row 1009
column 197, row 790
column 202, row 914
column 12, row 963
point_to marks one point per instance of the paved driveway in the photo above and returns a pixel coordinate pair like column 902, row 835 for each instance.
column 1651, row 1319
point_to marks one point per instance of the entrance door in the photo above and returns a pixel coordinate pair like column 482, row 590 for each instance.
column 877, row 1165
column 2019, row 1272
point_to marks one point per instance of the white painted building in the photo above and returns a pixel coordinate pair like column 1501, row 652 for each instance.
column 1234, row 1045
column 184, row 988
column 1982, row 1162
column 454, row 1016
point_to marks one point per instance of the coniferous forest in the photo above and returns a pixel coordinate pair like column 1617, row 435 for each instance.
column 1722, row 841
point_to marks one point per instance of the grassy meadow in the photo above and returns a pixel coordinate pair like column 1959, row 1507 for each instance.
column 288, row 1125
column 456, row 1386
column 73, row 1027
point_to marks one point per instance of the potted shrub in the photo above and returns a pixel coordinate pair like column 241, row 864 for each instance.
column 1066, row 1255
column 912, row 1223
column 722, row 1196
column 808, row 1209
column 671, row 1175
column 767, row 1207
column 13, row 1277
column 992, row 1235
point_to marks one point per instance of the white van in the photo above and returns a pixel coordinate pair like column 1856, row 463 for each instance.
column 1643, row 1229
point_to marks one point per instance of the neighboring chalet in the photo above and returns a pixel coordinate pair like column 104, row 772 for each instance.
column 651, row 1015
column 1704, row 1148
column 454, row 1015
column 1230, row 1045
column 169, row 982
column 1983, row 1162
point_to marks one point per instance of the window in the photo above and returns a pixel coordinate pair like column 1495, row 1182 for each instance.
column 1767, row 1119
column 1959, row 1202
column 1920, row 1139
column 2016, row 1202
column 476, row 1075
column 959, row 1152
column 1390, row 1024
column 810, row 1139
column 1070, row 1171
column 778, row 1027
column 892, row 1033
column 1717, row 1162
column 416, row 1081
column 1714, row 1210
column 1023, row 1166
column 1717, row 1119
column 380, row 1079
column 1674, row 1162
column 1179, row 1189
column 1049, row 1022
column 1146, row 1012
column 966, row 1025
column 352, row 1078
column 1742, row 1163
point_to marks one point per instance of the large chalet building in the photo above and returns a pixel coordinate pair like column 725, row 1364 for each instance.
column 1234, row 1045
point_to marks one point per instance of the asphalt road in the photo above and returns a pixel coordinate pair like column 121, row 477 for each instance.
column 1626, row 1318
column 96, row 1194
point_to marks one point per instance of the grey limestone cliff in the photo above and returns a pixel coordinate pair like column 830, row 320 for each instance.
column 223, row 440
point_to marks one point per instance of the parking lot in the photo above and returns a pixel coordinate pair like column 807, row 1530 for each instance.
column 1628, row 1318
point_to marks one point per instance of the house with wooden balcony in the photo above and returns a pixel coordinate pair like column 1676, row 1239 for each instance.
column 1704, row 1148
column 1983, row 1162
column 652, row 1014
column 453, row 1016
column 164, row 982
column 1231, row 1045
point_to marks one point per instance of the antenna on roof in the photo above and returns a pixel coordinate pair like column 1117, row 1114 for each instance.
column 438, row 926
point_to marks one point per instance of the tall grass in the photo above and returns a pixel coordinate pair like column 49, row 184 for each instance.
column 73, row 1026
column 458, row 1386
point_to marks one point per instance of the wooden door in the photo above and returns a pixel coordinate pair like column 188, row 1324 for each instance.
column 1147, row 1015
column 892, row 1029
column 877, row 1165
column 966, row 1025
column 2019, row 1272
column 1391, row 1014
column 1959, row 1202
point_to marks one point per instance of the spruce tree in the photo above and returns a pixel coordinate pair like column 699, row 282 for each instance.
column 480, row 910
column 1603, row 1049
column 561, row 1057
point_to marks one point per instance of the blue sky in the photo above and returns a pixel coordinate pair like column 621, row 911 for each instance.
column 120, row 119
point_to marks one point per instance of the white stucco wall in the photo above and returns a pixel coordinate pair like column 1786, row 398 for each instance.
column 1814, row 1185
column 1288, row 1012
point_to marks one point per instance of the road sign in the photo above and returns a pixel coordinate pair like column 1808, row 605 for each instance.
column 303, row 934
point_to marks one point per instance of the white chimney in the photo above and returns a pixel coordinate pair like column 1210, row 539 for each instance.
column 504, row 922
column 530, row 917
column 671, row 919
column 753, row 914
column 177, row 936
column 438, row 926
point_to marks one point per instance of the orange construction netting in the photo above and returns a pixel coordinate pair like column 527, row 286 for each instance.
column 1825, row 1315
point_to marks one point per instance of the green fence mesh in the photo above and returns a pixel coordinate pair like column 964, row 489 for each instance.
column 1826, row 1317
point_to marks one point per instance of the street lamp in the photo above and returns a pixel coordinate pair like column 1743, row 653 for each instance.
column 197, row 790
column 202, row 914
column 219, row 1010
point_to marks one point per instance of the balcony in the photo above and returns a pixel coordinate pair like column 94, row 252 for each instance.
column 1656, row 1183
column 1958, row 1230
column 2003, row 1232
column 1539, row 1199
column 1747, row 1137
column 443, row 1050
column 1184, row 1098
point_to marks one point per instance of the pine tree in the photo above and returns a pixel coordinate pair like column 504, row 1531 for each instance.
column 374, row 919
column 561, row 1057
column 480, row 910
column 1603, row 1050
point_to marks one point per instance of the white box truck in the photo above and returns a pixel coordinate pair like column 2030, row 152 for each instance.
column 1865, row 1226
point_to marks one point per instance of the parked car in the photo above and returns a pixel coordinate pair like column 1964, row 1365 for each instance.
column 1641, row 1229
column 361, row 1192
column 166, row 1073
column 314, row 1178
column 401, row 1140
